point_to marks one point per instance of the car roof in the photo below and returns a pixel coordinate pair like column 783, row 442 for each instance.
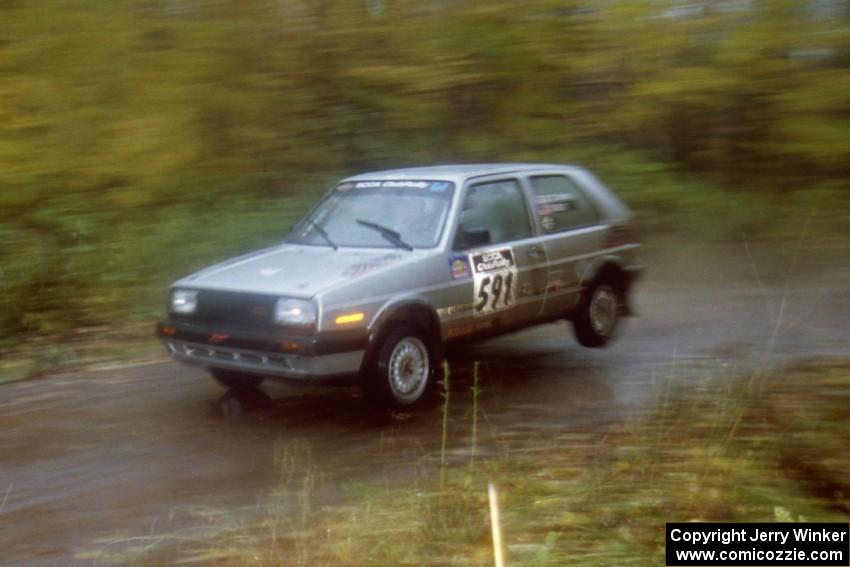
column 459, row 172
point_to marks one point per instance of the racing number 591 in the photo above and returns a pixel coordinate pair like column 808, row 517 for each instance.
column 494, row 289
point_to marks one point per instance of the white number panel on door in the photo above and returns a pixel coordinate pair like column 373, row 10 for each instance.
column 494, row 280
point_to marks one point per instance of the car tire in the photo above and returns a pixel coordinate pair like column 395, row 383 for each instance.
column 598, row 315
column 236, row 380
column 402, row 372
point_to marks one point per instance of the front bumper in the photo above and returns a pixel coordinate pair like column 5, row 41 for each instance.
column 333, row 355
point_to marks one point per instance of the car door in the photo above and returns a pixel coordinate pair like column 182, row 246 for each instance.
column 496, row 240
column 571, row 232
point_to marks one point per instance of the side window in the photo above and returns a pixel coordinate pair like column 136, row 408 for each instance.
column 561, row 204
column 492, row 213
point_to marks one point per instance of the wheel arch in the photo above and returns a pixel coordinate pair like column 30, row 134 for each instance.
column 415, row 311
column 610, row 269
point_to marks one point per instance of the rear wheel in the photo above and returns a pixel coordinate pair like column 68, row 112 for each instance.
column 236, row 380
column 403, row 370
column 598, row 316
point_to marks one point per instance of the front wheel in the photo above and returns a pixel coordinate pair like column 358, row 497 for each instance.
column 403, row 370
column 598, row 316
column 236, row 380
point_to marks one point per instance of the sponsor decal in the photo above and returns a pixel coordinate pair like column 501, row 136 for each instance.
column 361, row 268
column 269, row 271
column 468, row 328
column 460, row 267
column 453, row 310
column 344, row 186
column 548, row 222
column 559, row 198
column 494, row 280
column 406, row 184
column 492, row 260
column 558, row 203
column 460, row 330
column 392, row 184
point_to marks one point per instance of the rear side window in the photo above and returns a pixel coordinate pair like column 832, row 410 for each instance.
column 561, row 204
column 492, row 213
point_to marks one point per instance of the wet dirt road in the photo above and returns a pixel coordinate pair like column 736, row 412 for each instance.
column 88, row 460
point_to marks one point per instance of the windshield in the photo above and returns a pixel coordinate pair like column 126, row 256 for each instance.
column 359, row 214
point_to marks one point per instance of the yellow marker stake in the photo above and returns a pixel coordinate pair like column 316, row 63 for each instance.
column 496, row 526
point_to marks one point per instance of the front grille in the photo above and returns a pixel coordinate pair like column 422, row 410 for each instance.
column 250, row 310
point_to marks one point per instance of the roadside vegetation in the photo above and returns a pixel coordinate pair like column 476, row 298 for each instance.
column 771, row 447
column 140, row 140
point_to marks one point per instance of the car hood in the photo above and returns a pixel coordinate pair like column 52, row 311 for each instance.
column 295, row 270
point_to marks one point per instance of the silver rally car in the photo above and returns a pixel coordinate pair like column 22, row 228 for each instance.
column 393, row 265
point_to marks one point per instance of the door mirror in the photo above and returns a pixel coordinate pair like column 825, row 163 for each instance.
column 472, row 237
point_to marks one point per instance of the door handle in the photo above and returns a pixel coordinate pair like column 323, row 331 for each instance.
column 535, row 251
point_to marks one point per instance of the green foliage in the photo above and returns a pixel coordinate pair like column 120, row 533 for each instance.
column 139, row 139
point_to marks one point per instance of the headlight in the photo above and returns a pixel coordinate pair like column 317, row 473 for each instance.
column 299, row 312
column 184, row 301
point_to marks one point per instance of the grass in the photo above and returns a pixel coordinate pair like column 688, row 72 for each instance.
column 115, row 288
column 94, row 347
column 767, row 448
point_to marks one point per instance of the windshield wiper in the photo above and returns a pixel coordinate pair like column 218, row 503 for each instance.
column 323, row 233
column 387, row 233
